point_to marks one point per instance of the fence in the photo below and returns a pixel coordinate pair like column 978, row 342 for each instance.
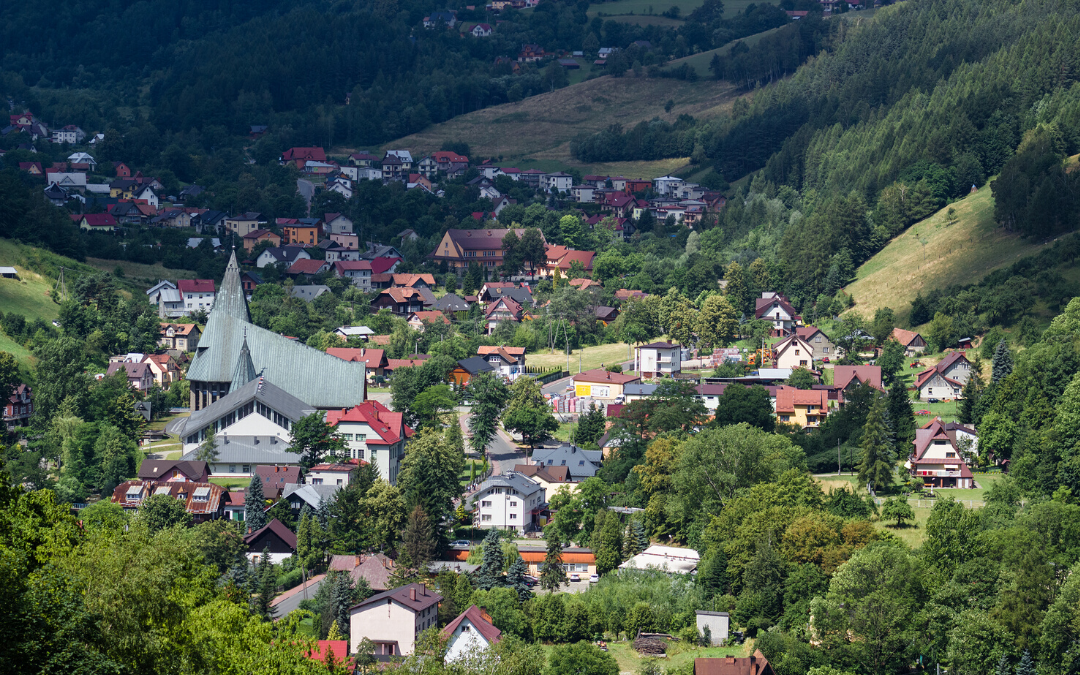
column 549, row 376
column 929, row 503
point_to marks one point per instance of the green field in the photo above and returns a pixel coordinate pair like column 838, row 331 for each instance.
column 536, row 132
column 679, row 654
column 590, row 357
column 935, row 253
column 700, row 61
column 147, row 275
column 231, row 483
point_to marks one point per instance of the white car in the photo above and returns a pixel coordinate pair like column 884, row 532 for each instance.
column 593, row 578
column 575, row 577
column 460, row 543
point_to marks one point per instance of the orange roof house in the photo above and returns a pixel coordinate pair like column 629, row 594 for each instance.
column 806, row 407
column 912, row 342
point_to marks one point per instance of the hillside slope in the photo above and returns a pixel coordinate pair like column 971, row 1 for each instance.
column 540, row 128
column 935, row 253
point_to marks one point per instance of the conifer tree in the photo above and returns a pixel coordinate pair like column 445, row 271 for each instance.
column 418, row 540
column 876, row 465
column 1026, row 665
column 552, row 574
column 341, row 599
column 1003, row 667
column 490, row 573
column 304, row 549
column 335, row 632
column 972, row 392
column 267, row 586
column 901, row 414
column 712, row 575
column 1002, row 365
column 515, row 579
column 641, row 538
column 254, row 503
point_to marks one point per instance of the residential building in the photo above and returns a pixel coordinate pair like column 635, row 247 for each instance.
column 472, row 631
column 507, row 361
column 507, row 502
column 575, row 560
column 823, row 347
column 503, row 309
column 249, row 281
column 373, row 433
column 98, row 222
column 461, row 247
column 755, row 664
column 235, row 505
column 374, row 359
column 580, row 464
column 946, row 379
column 300, row 156
column 336, row 223
column 362, row 332
column 19, row 407
column 393, row 619
column 602, row 384
column 793, row 352
column 197, row 294
column 302, row 232
column 453, row 305
column 275, row 477
column 403, row 301
column 562, row 259
column 204, row 501
column 375, row 569
column 332, row 473
column 468, row 368
column 164, row 369
column 936, row 456
column 559, row 181
column 777, row 310
column 659, row 359
column 807, row 408
column 255, row 237
column 139, row 375
column 307, row 267
column 281, row 255
column 182, row 337
column 552, row 478
column 846, row 378
column 174, row 471
column 69, row 134
column 912, row 342
column 418, row 321
column 312, row 495
column 274, row 536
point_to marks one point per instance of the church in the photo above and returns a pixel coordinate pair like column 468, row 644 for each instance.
column 233, row 352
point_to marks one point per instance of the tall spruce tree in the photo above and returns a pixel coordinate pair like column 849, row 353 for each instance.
column 267, row 586
column 969, row 403
column 515, row 579
column 878, row 455
column 418, row 540
column 490, row 574
column 552, row 574
column 1026, row 665
column 254, row 503
column 1002, row 365
column 901, row 414
column 712, row 575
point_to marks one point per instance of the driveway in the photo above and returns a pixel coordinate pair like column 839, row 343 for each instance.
column 291, row 599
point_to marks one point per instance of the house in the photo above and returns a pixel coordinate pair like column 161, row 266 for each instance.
column 936, row 457
column 356, row 271
column 755, row 664
column 307, row 267
column 671, row 559
column 190, row 192
column 32, row 168
column 393, row 619
column 492, row 291
column 912, row 342
column 605, row 314
column 347, row 240
column 304, row 232
column 446, row 160
column 139, row 375
column 274, row 535
column 71, row 180
column 503, row 309
column 164, row 369
column 419, row 320
column 807, row 408
column 197, row 294
column 374, row 359
column 823, row 347
column 375, row 434
column 465, row 369
column 846, row 378
column 946, row 379
column 182, row 337
column 314, row 496
column 507, row 502
column 777, row 310
column 19, row 407
column 458, row 248
column 507, row 361
column 403, row 301
column 244, row 224
column 602, row 384
column 375, row 569
column 335, row 223
column 793, row 352
column 174, row 471
column 362, row 332
column 562, row 258
column 281, row 255
column 56, row 195
column 718, row 623
column 559, row 181
column 308, row 292
column 447, row 17
column 551, row 478
column 624, row 294
column 145, row 193
column 204, row 501
column 481, row 30
column 452, row 304
column 413, row 280
column 470, row 633
column 210, row 222
column 255, row 237
column 666, row 185
column 585, row 284
column 300, row 156
column 332, row 473
column 276, row 477
column 235, row 505
column 580, row 464
column 249, row 281
column 658, row 359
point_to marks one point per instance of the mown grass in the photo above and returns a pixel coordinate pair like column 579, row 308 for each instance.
column 679, row 654
column 937, row 253
column 589, row 357
column 231, row 482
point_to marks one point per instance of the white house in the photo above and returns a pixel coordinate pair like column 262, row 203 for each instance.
column 793, row 352
column 168, row 299
column 69, row 134
column 558, row 182
column 373, row 433
column 393, row 619
column 775, row 309
column 67, row 180
column 470, row 633
column 507, row 502
column 481, row 30
column 718, row 624
column 362, row 332
column 147, row 193
column 197, row 294
column 335, row 223
column 342, row 186
column 667, row 185
column 666, row 558
column 946, row 379
column 283, row 255
column 659, row 359
column 507, row 361
column 357, row 271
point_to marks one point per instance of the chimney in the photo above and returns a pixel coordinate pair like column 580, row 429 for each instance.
column 412, row 594
column 423, row 589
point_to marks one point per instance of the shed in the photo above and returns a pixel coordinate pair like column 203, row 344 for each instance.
column 9, row 273
column 718, row 624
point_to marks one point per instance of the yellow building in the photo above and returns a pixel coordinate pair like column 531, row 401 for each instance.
column 599, row 383
column 806, row 407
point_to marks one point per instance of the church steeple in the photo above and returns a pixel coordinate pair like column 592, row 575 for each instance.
column 230, row 297
column 245, row 369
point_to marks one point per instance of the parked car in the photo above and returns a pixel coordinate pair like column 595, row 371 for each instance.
column 825, row 359
column 460, row 543
column 933, row 400
column 593, row 578
column 575, row 577
column 923, row 412
column 531, row 581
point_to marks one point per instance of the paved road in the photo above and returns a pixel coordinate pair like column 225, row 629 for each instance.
column 306, row 189
column 504, row 453
column 557, row 387
column 291, row 599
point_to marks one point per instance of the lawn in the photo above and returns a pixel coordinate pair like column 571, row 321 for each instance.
column 21, row 354
column 563, row 432
column 230, row 483
column 466, row 477
column 679, row 654
column 937, row 253
column 588, row 358
column 541, row 127
column 910, row 534
column 646, row 7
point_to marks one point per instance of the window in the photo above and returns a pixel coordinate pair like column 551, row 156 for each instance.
column 247, row 468
column 513, row 504
column 485, row 503
column 232, row 468
column 785, row 418
column 339, row 481
column 485, row 518
column 316, row 481
column 950, row 455
column 513, row 516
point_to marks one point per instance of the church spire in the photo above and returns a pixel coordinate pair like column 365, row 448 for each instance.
column 245, row 369
column 230, row 297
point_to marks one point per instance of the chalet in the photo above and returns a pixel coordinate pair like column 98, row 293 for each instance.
column 822, row 346
column 204, row 501
column 255, row 237
column 374, row 434
column 413, row 281
column 912, row 342
column 32, row 168
column 459, row 248
column 336, row 223
column 164, row 369
column 244, row 224
column 846, row 378
column 946, row 379
column 174, row 471
column 182, row 337
column 562, row 258
column 452, row 304
column 580, row 464
column 793, row 352
column 507, row 361
column 19, row 407
column 465, row 369
column 936, row 456
column 624, row 294
column 403, row 301
column 274, row 536
column 300, row 156
column 470, row 633
column 481, row 30
column 605, row 314
column 777, row 310
column 530, row 53
column 807, row 408
column 503, row 309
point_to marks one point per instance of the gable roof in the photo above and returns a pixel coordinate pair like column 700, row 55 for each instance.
column 755, row 664
column 479, row 621
column 906, row 337
column 475, row 364
column 844, row 375
column 256, row 390
column 807, row 332
column 274, row 476
column 606, row 377
column 153, row 469
column 480, row 239
column 579, row 463
column 195, row 285
column 431, row 316
column 313, row 154
column 763, row 305
column 278, row 528
column 414, row 597
column 306, row 266
column 939, row 368
column 374, row 358
column 549, row 474
column 789, row 397
column 451, row 302
column 388, row 425
column 133, row 370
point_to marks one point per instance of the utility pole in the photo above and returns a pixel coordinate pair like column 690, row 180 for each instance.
column 838, row 457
